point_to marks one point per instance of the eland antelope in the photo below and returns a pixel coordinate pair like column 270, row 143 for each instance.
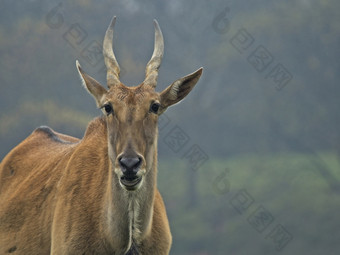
column 98, row 194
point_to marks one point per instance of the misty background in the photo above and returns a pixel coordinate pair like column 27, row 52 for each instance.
column 249, row 162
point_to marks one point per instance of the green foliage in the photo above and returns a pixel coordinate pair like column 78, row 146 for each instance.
column 288, row 185
column 30, row 115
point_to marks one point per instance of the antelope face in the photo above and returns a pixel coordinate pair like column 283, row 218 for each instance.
column 132, row 115
column 132, row 112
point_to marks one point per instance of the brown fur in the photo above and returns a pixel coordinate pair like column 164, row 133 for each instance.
column 62, row 195
column 53, row 192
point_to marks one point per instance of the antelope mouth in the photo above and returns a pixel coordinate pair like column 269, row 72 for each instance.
column 130, row 183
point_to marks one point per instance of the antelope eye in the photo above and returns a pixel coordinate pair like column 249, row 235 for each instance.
column 154, row 107
column 108, row 108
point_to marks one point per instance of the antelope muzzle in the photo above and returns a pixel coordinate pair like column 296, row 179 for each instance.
column 131, row 174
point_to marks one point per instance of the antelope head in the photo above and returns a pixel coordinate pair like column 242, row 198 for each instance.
column 132, row 112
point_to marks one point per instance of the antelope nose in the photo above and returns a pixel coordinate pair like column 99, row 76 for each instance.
column 130, row 165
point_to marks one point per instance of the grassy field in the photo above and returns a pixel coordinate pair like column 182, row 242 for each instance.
column 254, row 204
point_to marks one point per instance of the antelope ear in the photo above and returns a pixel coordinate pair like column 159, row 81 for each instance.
column 179, row 89
column 92, row 86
